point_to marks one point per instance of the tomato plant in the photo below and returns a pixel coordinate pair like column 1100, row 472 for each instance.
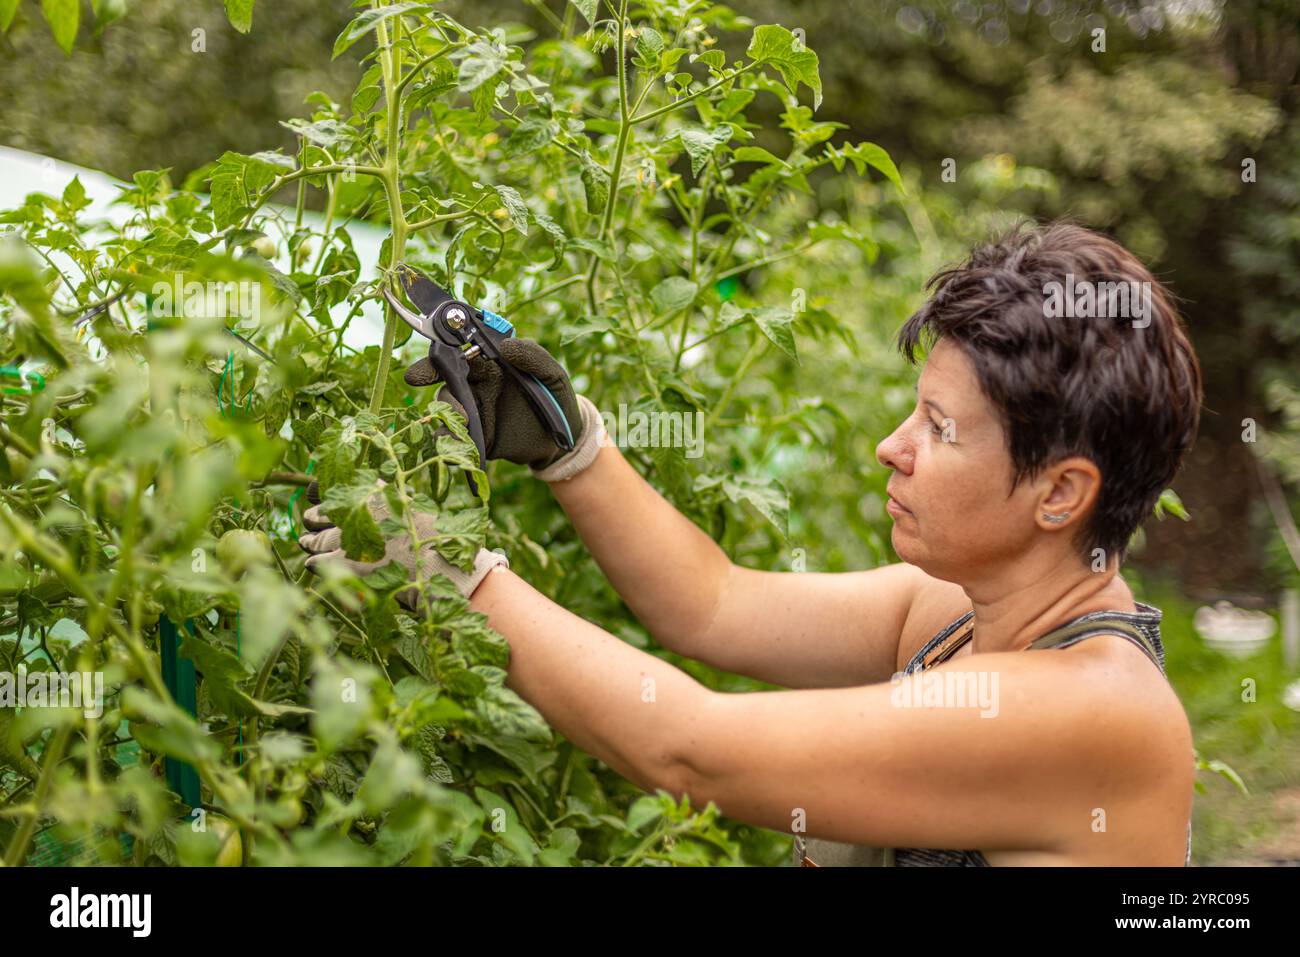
column 602, row 186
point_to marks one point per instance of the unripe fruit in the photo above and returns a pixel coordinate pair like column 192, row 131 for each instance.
column 289, row 810
column 241, row 548
column 231, row 853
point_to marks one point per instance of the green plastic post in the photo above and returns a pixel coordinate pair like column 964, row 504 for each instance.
column 178, row 675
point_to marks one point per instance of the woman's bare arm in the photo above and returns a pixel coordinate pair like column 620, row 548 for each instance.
column 797, row 629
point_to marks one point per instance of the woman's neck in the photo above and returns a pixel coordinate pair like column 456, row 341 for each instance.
column 1014, row 611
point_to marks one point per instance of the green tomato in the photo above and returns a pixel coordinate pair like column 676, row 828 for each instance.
column 291, row 811
column 264, row 246
column 231, row 853
column 241, row 548
column 295, row 783
column 16, row 463
column 150, row 612
column 442, row 481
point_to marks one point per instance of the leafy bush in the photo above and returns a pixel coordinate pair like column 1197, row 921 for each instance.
column 601, row 188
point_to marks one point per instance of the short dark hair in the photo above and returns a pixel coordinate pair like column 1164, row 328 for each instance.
column 1124, row 397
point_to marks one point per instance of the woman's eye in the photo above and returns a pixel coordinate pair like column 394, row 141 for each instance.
column 935, row 429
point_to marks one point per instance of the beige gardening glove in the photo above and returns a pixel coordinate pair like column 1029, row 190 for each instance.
column 324, row 542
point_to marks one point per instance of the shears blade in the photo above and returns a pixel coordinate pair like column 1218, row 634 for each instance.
column 421, row 324
column 424, row 292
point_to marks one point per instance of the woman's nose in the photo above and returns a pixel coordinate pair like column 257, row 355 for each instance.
column 892, row 452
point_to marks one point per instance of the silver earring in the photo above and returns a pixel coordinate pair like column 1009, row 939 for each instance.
column 1056, row 519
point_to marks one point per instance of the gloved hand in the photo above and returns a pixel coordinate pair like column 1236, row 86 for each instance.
column 511, row 430
column 324, row 542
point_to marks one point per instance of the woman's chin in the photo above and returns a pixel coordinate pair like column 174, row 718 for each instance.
column 906, row 545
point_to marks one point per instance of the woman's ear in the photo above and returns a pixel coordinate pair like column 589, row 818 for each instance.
column 1071, row 489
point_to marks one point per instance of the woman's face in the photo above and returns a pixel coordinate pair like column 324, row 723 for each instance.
column 948, row 494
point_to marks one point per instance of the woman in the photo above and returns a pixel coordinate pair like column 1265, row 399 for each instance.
column 1040, row 440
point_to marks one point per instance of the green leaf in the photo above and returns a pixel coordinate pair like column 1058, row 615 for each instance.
column 368, row 90
column 673, row 294
column 713, row 59
column 64, row 16
column 563, row 845
column 867, row 154
column 269, row 607
column 346, row 506
column 595, row 184
column 529, row 136
column 393, row 773
column 74, row 195
column 508, row 714
column 768, row 496
column 1171, row 503
column 341, row 700
column 515, row 205
column 328, row 133
column 236, row 181
column 559, row 239
column 699, row 144
column 461, row 534
column 371, row 19
column 818, row 231
column 485, row 60
column 586, row 325
column 774, row 322
column 756, row 154
column 587, row 8
column 485, row 100
column 9, row 7
column 163, row 728
column 212, row 661
column 644, row 810
column 240, row 14
column 512, row 834
column 649, row 45
column 777, row 46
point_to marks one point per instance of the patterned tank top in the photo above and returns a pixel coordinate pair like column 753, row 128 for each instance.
column 1142, row 628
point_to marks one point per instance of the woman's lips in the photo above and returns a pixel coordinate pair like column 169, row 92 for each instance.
column 894, row 509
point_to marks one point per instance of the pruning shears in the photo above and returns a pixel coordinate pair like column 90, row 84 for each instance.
column 457, row 332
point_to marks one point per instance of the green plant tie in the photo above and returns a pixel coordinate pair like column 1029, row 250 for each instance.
column 293, row 527
column 32, row 381
column 228, row 375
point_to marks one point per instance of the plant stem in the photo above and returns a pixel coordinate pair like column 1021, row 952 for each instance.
column 53, row 755
column 682, row 101
column 57, row 563
column 543, row 293
column 286, row 478
column 620, row 150
column 751, row 355
column 330, row 206
column 415, row 70
column 16, row 441
column 390, row 175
